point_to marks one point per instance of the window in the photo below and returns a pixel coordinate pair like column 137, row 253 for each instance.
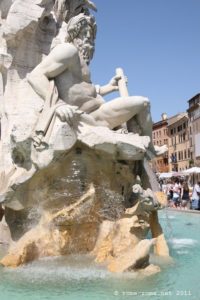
column 173, row 158
column 181, row 155
column 185, row 154
column 179, row 128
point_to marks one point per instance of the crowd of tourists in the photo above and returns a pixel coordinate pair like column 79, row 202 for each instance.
column 180, row 194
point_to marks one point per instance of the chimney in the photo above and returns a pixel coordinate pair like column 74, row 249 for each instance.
column 164, row 116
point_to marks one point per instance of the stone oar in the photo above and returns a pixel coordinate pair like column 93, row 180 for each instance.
column 123, row 91
column 161, row 247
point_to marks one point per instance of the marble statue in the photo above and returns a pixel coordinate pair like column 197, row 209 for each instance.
column 73, row 168
column 67, row 64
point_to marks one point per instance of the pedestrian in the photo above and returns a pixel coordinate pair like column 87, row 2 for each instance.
column 196, row 196
column 185, row 195
column 176, row 194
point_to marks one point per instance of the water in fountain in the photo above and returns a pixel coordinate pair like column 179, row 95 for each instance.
column 77, row 277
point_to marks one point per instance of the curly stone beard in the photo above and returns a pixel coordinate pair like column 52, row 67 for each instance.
column 85, row 48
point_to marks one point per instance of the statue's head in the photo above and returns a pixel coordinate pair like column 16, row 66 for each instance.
column 81, row 31
column 80, row 22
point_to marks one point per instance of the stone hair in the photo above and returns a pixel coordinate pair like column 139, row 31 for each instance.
column 76, row 23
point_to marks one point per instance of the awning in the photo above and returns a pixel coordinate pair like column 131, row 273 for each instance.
column 194, row 170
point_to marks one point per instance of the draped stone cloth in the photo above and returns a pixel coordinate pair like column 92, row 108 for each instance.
column 44, row 126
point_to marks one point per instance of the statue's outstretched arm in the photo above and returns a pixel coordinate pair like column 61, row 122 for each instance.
column 112, row 86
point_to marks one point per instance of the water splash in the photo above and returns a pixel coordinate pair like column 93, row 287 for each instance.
column 183, row 243
column 166, row 225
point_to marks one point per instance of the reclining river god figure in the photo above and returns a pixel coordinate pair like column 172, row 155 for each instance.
column 62, row 79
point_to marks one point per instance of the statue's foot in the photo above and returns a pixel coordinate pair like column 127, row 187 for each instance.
column 122, row 131
column 159, row 150
column 154, row 151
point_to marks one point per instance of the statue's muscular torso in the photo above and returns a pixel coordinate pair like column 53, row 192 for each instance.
column 72, row 77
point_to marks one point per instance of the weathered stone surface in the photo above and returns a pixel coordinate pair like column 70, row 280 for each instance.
column 5, row 236
column 160, row 247
column 149, row 271
column 77, row 205
column 18, row 19
column 134, row 257
column 119, row 146
column 116, row 237
column 69, row 230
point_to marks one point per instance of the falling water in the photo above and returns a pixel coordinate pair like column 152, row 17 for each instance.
column 155, row 187
column 151, row 175
column 169, row 225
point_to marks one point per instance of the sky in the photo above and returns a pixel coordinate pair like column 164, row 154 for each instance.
column 156, row 43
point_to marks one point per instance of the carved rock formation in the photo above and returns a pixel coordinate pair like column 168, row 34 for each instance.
column 87, row 190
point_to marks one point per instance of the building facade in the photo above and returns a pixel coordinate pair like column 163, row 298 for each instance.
column 159, row 138
column 194, row 129
column 179, row 143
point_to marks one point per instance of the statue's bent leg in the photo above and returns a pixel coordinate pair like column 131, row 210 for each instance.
column 120, row 110
column 144, row 119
